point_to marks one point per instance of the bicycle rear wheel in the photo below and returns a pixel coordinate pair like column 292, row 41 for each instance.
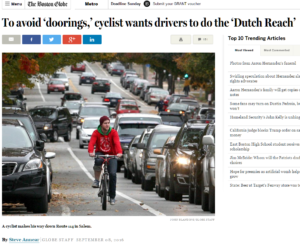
column 104, row 194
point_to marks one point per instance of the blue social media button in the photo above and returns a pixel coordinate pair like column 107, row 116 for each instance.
column 51, row 39
column 92, row 39
column 31, row 39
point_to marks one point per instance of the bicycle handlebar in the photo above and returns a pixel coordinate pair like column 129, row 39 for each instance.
column 107, row 156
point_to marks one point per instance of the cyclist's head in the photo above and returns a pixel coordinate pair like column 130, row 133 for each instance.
column 104, row 120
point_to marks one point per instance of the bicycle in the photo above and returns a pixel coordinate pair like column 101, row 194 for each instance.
column 104, row 180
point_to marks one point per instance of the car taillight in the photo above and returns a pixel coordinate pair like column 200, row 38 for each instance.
column 119, row 100
column 207, row 121
column 106, row 100
column 152, row 96
column 93, row 78
column 198, row 117
column 95, row 83
column 122, row 71
column 82, row 77
column 106, row 83
column 115, row 70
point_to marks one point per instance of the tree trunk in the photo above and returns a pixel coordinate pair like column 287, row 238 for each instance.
column 145, row 72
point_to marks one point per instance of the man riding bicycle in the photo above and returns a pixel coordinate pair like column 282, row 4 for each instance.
column 107, row 142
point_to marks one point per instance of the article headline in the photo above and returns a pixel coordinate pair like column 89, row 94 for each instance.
column 159, row 22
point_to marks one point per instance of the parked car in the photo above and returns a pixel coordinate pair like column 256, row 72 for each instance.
column 54, row 121
column 24, row 168
column 135, row 165
column 25, row 118
column 128, row 81
column 91, row 109
column 86, row 78
column 183, row 109
column 199, row 163
column 86, row 130
column 149, row 90
column 209, row 116
column 117, row 69
column 72, row 96
column 79, row 67
column 160, row 170
column 56, row 86
column 156, row 141
column 112, row 98
column 172, row 118
column 12, row 102
column 137, row 86
column 178, row 161
column 146, row 88
column 155, row 95
column 127, row 73
column 100, row 85
column 110, row 66
column 128, row 156
column 130, row 125
column 61, row 76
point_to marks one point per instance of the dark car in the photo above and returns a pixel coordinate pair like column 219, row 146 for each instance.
column 72, row 96
column 112, row 98
column 197, row 165
column 25, row 118
column 92, row 110
column 172, row 119
column 148, row 162
column 138, row 85
column 100, row 85
column 24, row 169
column 183, row 109
column 209, row 117
column 117, row 69
column 54, row 121
column 56, row 86
column 178, row 161
column 13, row 102
column 87, row 78
column 79, row 67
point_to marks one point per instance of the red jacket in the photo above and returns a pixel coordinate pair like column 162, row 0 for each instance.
column 107, row 144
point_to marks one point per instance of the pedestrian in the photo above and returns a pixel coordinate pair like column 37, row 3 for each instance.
column 160, row 105
column 107, row 142
column 186, row 90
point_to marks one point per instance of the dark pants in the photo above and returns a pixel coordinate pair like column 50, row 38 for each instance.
column 112, row 170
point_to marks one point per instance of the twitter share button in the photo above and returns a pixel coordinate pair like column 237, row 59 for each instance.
column 51, row 39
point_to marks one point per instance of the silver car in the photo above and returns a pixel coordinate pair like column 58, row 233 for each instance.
column 128, row 156
column 63, row 77
column 86, row 130
column 155, row 95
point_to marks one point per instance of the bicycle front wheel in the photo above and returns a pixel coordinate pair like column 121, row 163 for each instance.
column 104, row 190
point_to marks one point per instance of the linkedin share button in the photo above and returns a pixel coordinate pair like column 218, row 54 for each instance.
column 92, row 39
column 51, row 39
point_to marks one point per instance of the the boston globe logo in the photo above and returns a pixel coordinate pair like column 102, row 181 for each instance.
column 147, row 3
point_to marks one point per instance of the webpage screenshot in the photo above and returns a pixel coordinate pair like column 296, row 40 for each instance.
column 109, row 117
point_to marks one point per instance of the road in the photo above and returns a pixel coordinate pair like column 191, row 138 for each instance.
column 73, row 168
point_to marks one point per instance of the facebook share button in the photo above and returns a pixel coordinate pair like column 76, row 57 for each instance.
column 31, row 39
column 92, row 39
column 51, row 39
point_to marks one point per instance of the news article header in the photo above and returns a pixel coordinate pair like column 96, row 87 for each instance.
column 159, row 22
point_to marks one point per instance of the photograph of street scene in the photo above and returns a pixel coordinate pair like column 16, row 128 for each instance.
column 157, row 114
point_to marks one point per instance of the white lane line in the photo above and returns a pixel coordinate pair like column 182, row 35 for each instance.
column 65, row 211
column 144, row 206
column 145, row 105
column 38, row 84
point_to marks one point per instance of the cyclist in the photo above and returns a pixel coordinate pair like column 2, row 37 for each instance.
column 107, row 142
